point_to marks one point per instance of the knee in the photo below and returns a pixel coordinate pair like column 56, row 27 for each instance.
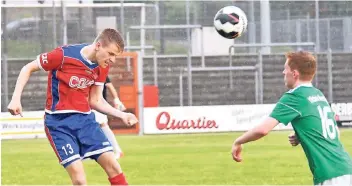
column 113, row 168
column 79, row 179
column 76, row 172
column 110, row 165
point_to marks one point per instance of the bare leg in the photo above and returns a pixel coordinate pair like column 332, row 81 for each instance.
column 76, row 172
column 112, row 168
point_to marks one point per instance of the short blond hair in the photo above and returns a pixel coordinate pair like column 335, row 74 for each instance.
column 110, row 35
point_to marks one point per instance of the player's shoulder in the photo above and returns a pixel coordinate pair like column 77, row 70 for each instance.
column 293, row 95
column 73, row 49
column 289, row 97
column 68, row 50
column 73, row 53
column 75, row 46
column 301, row 93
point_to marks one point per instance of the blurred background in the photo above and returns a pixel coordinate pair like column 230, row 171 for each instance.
column 30, row 27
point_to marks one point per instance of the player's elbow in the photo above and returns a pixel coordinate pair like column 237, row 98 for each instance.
column 93, row 102
column 26, row 70
column 267, row 125
column 262, row 132
column 31, row 67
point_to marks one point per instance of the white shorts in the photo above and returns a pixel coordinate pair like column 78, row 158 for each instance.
column 345, row 180
column 100, row 118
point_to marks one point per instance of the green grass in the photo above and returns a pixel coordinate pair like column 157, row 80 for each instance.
column 201, row 159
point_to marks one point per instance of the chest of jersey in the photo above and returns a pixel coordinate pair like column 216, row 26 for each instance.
column 75, row 74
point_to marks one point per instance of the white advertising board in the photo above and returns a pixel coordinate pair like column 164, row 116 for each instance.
column 196, row 119
column 168, row 120
column 343, row 113
column 31, row 125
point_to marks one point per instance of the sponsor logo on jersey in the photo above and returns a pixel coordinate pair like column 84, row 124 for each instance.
column 317, row 98
column 45, row 58
column 80, row 83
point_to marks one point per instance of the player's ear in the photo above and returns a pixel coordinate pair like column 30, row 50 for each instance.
column 97, row 45
column 295, row 73
column 120, row 50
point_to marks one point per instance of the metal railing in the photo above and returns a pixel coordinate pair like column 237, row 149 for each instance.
column 259, row 67
column 155, row 59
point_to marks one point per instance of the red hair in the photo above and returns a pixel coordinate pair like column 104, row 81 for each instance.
column 304, row 62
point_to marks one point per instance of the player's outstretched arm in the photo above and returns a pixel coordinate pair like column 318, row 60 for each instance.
column 254, row 134
column 15, row 106
column 258, row 132
column 98, row 103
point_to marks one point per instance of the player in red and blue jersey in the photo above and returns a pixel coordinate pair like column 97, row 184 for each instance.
column 76, row 76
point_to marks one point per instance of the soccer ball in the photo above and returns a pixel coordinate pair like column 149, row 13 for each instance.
column 230, row 22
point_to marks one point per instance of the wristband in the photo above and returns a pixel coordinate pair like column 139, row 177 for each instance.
column 117, row 101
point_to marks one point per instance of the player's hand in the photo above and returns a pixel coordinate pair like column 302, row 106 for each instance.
column 292, row 138
column 15, row 108
column 236, row 152
column 129, row 119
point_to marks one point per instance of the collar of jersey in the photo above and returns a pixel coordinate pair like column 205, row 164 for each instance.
column 305, row 85
column 86, row 59
column 301, row 85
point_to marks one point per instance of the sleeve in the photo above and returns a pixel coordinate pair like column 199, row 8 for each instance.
column 286, row 109
column 51, row 60
column 102, row 76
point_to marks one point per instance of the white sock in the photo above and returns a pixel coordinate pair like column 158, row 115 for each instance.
column 112, row 139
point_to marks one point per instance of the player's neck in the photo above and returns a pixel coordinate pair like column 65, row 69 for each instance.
column 300, row 82
column 89, row 52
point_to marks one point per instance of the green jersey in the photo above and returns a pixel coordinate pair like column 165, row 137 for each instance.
column 314, row 124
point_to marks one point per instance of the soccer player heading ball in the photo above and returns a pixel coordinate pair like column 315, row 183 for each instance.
column 75, row 83
column 312, row 120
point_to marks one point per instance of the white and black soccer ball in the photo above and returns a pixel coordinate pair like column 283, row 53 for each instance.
column 230, row 22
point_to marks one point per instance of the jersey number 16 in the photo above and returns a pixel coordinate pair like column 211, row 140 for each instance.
column 327, row 123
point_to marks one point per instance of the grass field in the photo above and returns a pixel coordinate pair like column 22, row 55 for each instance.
column 201, row 159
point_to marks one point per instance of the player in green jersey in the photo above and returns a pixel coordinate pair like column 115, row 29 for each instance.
column 312, row 119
